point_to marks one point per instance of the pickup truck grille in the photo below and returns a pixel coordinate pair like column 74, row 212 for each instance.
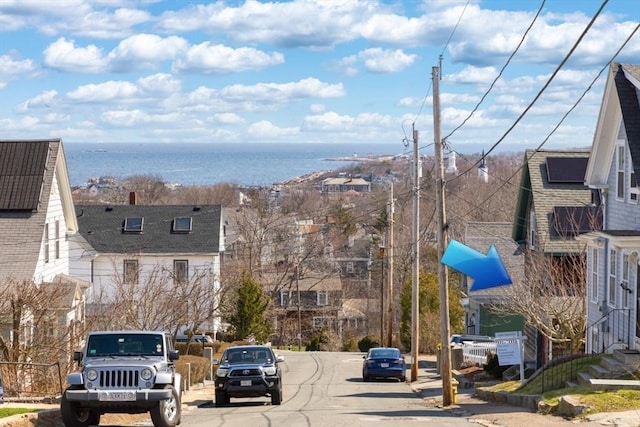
column 119, row 378
column 245, row 372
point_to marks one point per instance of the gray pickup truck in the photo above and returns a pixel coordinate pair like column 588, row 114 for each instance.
column 124, row 372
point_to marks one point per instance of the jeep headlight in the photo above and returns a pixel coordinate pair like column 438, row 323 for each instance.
column 269, row 370
column 222, row 372
column 146, row 374
column 92, row 374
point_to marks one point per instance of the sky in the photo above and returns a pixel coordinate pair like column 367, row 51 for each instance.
column 310, row 71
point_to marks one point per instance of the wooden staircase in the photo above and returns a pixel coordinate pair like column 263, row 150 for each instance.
column 607, row 375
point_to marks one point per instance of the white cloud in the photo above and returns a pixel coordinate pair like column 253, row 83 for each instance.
column 63, row 55
column 328, row 122
column 11, row 67
column 265, row 129
column 107, row 91
column 228, row 118
column 282, row 92
column 44, row 100
column 219, row 59
column 131, row 118
column 160, row 83
column 145, row 50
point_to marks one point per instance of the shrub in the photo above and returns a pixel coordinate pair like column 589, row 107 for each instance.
column 492, row 367
column 350, row 344
column 199, row 368
column 368, row 342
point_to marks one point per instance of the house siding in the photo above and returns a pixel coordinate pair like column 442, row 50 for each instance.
column 621, row 214
column 46, row 271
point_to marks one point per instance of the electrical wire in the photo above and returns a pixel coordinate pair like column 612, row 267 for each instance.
column 545, row 86
column 488, row 91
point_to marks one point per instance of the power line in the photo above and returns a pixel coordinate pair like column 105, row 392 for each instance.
column 524, row 36
column 546, row 85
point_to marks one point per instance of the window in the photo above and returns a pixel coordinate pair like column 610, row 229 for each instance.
column 532, row 229
column 323, row 322
column 284, row 298
column 620, row 175
column 594, row 274
column 133, row 225
column 612, row 277
column 633, row 193
column 322, row 297
column 130, row 272
column 57, row 242
column 625, row 281
column 46, row 242
column 180, row 271
column 350, row 268
column 182, row 224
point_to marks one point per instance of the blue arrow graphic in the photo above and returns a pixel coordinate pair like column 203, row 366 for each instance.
column 487, row 271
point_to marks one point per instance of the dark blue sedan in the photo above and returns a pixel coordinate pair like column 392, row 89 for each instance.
column 383, row 362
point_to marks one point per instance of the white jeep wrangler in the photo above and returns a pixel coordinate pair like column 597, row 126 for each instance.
column 124, row 372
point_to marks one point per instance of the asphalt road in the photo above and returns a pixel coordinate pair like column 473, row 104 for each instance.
column 327, row 390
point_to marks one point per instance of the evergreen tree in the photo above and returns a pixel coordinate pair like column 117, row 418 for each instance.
column 249, row 316
column 429, row 312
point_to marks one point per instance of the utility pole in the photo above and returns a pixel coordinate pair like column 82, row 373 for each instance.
column 390, row 270
column 445, row 352
column 381, row 295
column 415, row 318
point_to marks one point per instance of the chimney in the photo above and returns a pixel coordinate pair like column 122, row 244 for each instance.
column 133, row 198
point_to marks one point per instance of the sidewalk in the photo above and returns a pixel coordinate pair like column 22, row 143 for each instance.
column 491, row 414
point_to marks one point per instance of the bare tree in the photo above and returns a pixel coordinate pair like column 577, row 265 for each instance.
column 36, row 328
column 158, row 300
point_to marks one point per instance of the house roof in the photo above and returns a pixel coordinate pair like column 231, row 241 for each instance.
column 542, row 195
column 482, row 235
column 620, row 101
column 30, row 171
column 103, row 227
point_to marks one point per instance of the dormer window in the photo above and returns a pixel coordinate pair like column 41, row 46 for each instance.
column 182, row 224
column 133, row 225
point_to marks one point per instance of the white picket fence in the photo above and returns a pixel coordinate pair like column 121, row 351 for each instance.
column 476, row 352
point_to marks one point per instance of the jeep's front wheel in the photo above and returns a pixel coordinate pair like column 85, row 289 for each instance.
column 167, row 412
column 75, row 416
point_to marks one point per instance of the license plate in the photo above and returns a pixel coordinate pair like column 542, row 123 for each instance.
column 245, row 383
column 117, row 396
column 384, row 365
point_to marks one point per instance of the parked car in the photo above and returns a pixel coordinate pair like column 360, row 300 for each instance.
column 194, row 338
column 129, row 372
column 461, row 339
column 249, row 371
column 383, row 362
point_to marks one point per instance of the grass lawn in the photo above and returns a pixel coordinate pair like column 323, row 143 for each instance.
column 7, row 412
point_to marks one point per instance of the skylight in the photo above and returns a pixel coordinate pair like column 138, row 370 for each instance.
column 182, row 224
column 133, row 225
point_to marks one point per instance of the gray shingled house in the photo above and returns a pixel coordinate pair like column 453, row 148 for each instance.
column 36, row 221
column 613, row 282
column 553, row 208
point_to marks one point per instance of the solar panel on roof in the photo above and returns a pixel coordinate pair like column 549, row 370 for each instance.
column 22, row 166
column 566, row 169
column 570, row 220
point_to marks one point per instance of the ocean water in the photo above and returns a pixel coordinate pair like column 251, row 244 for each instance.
column 207, row 164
